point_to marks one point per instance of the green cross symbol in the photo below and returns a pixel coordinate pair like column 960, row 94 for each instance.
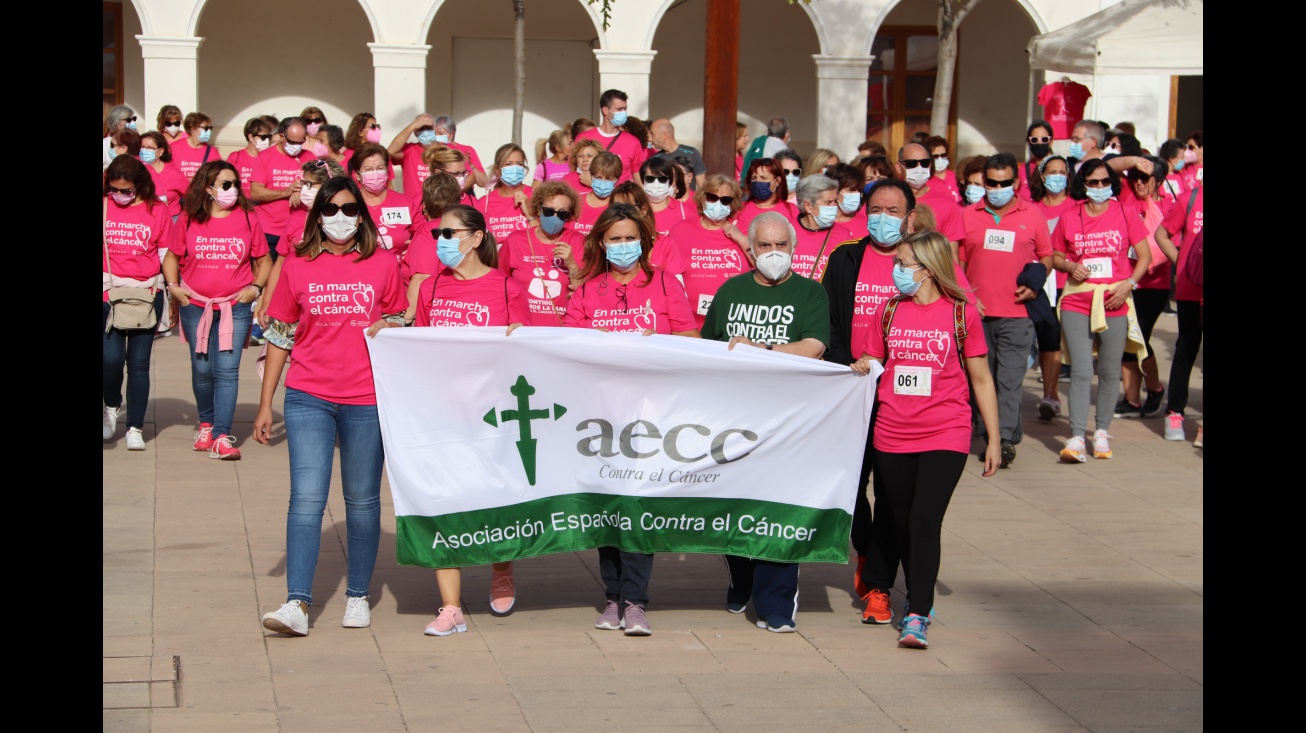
column 522, row 390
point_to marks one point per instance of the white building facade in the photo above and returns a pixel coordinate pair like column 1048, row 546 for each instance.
column 829, row 66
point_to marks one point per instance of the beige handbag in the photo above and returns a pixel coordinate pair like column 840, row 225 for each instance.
column 128, row 307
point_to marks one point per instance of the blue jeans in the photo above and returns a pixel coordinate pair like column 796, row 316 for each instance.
column 215, row 376
column 132, row 348
column 313, row 425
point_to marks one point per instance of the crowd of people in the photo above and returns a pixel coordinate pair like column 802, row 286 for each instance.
column 955, row 278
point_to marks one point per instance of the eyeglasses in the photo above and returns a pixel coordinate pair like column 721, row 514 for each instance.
column 1035, row 140
column 909, row 164
column 907, row 265
column 123, row 191
column 374, row 126
column 350, row 209
column 448, row 232
column 1190, row 145
column 264, row 138
column 999, row 184
column 562, row 214
column 145, row 148
column 713, row 198
column 318, row 164
column 311, row 120
column 657, row 179
column 293, row 142
column 621, row 298
column 1097, row 182
column 225, row 185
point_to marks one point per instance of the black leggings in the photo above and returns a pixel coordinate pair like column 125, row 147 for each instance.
column 1148, row 304
column 1185, row 353
column 912, row 491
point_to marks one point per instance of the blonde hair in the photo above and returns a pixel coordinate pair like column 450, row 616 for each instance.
column 438, row 157
column 556, row 141
column 502, row 154
column 819, row 159
column 582, row 145
column 924, row 220
column 932, row 250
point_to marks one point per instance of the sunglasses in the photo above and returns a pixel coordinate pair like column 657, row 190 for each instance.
column 657, row 179
column 1190, row 145
column 999, row 184
column 936, row 156
column 350, row 209
column 206, row 127
column 225, row 185
column 1097, row 182
column 1040, row 140
column 129, row 119
column 713, row 198
column 793, row 171
column 1138, row 177
column 172, row 123
column 374, row 126
column 922, row 163
column 264, row 138
column 123, row 191
column 448, row 232
column 311, row 120
column 563, row 214
column 288, row 141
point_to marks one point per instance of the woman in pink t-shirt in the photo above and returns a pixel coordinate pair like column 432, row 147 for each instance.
column 665, row 255
column 136, row 227
column 558, row 163
column 217, row 264
column 711, row 248
column 439, row 192
column 622, row 292
column 365, row 129
column 922, row 424
column 664, row 185
column 852, row 215
column 396, row 214
column 546, row 258
column 605, row 171
column 314, row 120
column 169, row 183
column 194, row 150
column 583, row 153
column 168, row 123
column 767, row 191
column 504, row 205
column 469, row 290
column 258, row 137
column 338, row 283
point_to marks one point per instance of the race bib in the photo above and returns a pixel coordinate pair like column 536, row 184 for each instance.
column 1052, row 224
column 395, row 215
column 1000, row 240
column 1132, row 254
column 1098, row 267
column 1172, row 187
column 704, row 302
column 1200, row 171
column 163, row 197
column 912, row 380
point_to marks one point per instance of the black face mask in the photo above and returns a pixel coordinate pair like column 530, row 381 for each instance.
column 1040, row 150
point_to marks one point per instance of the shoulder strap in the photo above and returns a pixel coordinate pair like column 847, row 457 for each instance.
column 104, row 231
column 1192, row 199
column 820, row 252
column 505, row 296
column 613, row 141
column 959, row 330
column 207, row 149
column 886, row 318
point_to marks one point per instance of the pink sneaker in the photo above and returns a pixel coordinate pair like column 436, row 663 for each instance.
column 224, row 448
column 503, row 593
column 204, row 438
column 449, row 621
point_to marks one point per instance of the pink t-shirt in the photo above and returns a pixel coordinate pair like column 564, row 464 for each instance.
column 415, row 171
column 995, row 253
column 665, row 255
column 948, row 182
column 493, row 299
column 293, row 234
column 169, row 186
column 1053, row 214
column 573, row 180
column 812, row 250
column 245, row 164
column 750, row 211
column 473, row 160
column 134, row 235
column 1063, row 106
column 188, row 159
column 1101, row 243
column 502, row 215
column 673, row 214
column 623, row 145
column 396, row 217
column 1183, row 225
column 874, row 287
column 1158, row 272
column 334, row 298
column 658, row 303
column 947, row 214
column 1191, row 175
column 531, row 264
column 1174, row 190
column 277, row 171
column 924, row 397
column 216, row 255
column 709, row 258
column 854, row 228
column 550, row 171
column 584, row 221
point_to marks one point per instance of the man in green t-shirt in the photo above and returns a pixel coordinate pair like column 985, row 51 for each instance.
column 770, row 308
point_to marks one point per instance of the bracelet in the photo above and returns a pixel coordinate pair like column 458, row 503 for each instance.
column 1134, row 283
column 174, row 285
column 260, row 288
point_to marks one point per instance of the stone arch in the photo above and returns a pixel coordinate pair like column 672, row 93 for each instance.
column 192, row 26
column 874, row 27
column 595, row 18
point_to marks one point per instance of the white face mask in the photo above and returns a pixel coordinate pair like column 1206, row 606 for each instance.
column 656, row 192
column 307, row 195
column 261, row 144
column 940, row 164
column 293, row 150
column 917, row 177
column 340, row 228
column 774, row 264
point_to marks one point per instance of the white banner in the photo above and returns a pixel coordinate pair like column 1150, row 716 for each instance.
column 555, row 440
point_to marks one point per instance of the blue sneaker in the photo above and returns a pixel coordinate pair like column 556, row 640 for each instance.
column 778, row 624
column 913, row 632
column 906, row 611
column 735, row 601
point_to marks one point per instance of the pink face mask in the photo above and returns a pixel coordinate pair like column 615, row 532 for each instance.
column 319, row 149
column 123, row 199
column 373, row 181
column 1190, row 156
column 374, row 135
column 313, row 127
column 226, row 199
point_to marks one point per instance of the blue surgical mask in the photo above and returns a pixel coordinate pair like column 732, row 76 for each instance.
column 1179, row 164
column 512, row 175
column 974, row 193
column 444, row 139
column 619, row 118
column 1099, row 195
column 760, row 190
column 205, row 135
column 623, row 255
column 1055, row 183
column 131, row 125
column 602, row 188
column 148, row 155
column 849, row 203
column 1000, row 197
column 716, row 211
column 112, row 153
column 552, row 224
column 884, row 229
column 791, row 180
column 426, row 137
column 826, row 216
column 448, row 252
column 902, row 279
column 1076, row 150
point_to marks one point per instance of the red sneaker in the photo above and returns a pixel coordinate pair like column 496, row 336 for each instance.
column 204, row 438
column 861, row 588
column 877, row 608
column 224, row 448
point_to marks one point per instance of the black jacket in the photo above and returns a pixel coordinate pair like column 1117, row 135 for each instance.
column 1039, row 309
column 840, row 282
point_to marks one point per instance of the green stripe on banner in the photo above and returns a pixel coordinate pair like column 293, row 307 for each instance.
column 571, row 522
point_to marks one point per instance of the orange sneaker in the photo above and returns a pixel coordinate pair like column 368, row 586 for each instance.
column 877, row 608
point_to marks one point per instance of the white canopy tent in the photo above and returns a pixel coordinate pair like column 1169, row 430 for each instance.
column 1160, row 37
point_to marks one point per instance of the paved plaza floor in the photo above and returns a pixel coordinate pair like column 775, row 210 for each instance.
column 1069, row 599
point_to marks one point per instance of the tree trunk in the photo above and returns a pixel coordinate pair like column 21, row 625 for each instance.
column 519, row 78
column 951, row 13
column 721, row 86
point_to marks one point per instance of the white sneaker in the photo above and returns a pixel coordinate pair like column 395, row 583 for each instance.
column 291, row 619
column 135, row 439
column 358, row 615
column 1174, row 426
column 110, row 421
column 1074, row 451
column 1101, row 448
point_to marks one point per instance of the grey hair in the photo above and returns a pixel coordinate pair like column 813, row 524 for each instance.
column 777, row 126
column 768, row 217
column 447, row 123
column 1093, row 130
column 813, row 186
column 116, row 115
